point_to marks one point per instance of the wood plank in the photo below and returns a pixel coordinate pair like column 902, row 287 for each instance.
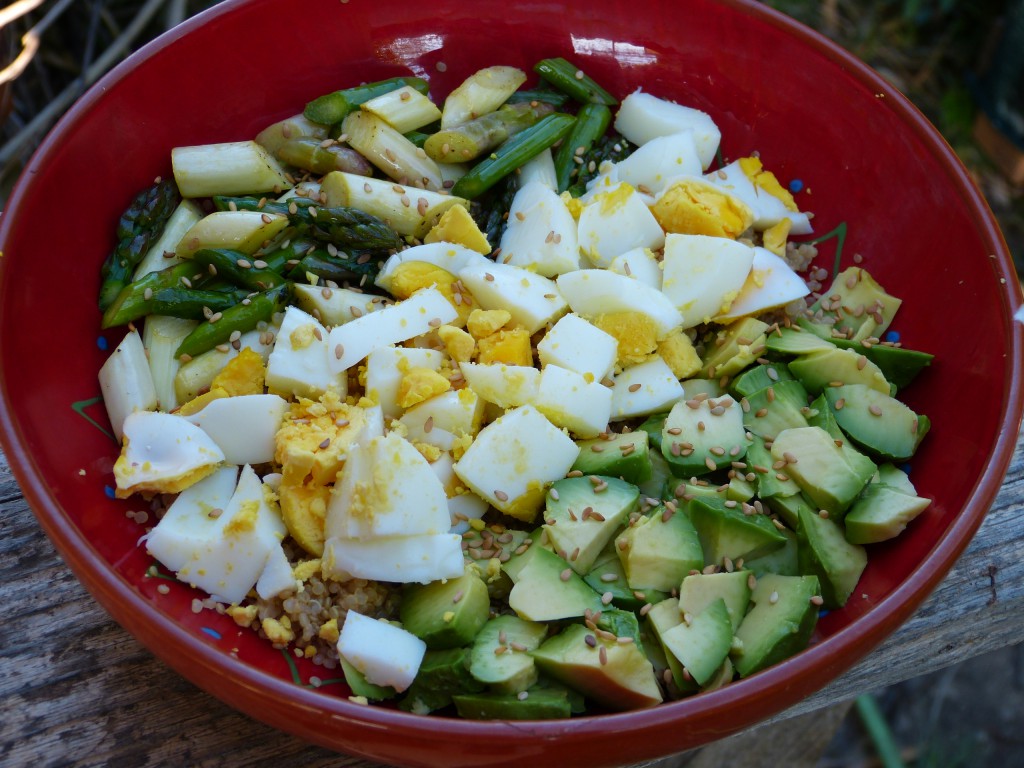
column 72, row 682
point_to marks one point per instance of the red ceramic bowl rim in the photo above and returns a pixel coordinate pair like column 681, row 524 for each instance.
column 838, row 652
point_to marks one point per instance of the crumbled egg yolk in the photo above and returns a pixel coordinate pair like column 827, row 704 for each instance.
column 459, row 345
column 457, row 226
column 420, row 384
column 775, row 237
column 314, row 437
column 751, row 166
column 244, row 521
column 329, row 631
column 411, row 276
column 679, row 354
column 613, row 200
column 697, row 207
column 304, row 511
column 636, row 334
column 242, row 614
column 508, row 347
column 243, row 375
column 483, row 322
column 278, row 631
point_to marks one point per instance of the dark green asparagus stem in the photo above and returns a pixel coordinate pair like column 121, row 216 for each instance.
column 310, row 154
column 248, row 272
column 609, row 148
column 571, row 79
column 192, row 304
column 544, row 95
column 356, row 269
column 512, row 154
column 468, row 141
column 141, row 223
column 592, row 121
column 333, row 107
column 135, row 300
column 241, row 317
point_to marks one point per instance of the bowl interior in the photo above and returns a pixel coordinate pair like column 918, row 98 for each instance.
column 872, row 172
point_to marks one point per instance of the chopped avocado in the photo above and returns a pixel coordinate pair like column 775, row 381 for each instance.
column 658, row 550
column 446, row 614
column 535, row 704
column 546, row 589
column 787, row 508
column 653, row 426
column 699, row 590
column 758, row 377
column 740, row 489
column 510, row 670
column 360, row 686
column 770, row 482
column 683, row 492
column 900, row 366
column 582, row 517
column 880, row 425
column 702, row 435
column 616, row 675
column 722, row 677
column 731, row 349
column 894, row 477
column 728, row 532
column 609, row 577
column 620, row 623
column 793, row 341
column 625, row 455
column 775, row 408
column 702, row 644
column 441, row 675
column 783, row 561
column 660, row 472
column 780, row 623
column 821, row 468
column 827, row 367
column 824, row 552
column 856, row 306
column 822, row 416
column 521, row 555
column 661, row 617
column 696, row 387
column 881, row 513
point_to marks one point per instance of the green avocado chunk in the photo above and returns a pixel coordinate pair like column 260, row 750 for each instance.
column 824, row 552
column 625, row 455
column 441, row 675
column 699, row 590
column 547, row 589
column 580, row 519
column 499, row 656
column 733, row 348
column 728, row 533
column 882, row 512
column 702, row 644
column 446, row 614
column 537, row 704
column 880, row 425
column 780, row 623
column 608, row 576
column 658, row 550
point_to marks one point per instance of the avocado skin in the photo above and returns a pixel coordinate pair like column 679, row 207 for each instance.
column 442, row 674
column 539, row 704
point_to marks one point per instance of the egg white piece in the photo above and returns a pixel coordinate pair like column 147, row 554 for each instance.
column 639, row 264
column 383, row 653
column 703, row 275
column 277, row 577
column 507, row 386
column 465, row 507
column 580, row 346
column 531, row 299
column 771, row 283
column 402, row 559
column 229, row 562
column 162, row 452
column 657, row 161
column 191, row 519
column 450, row 257
column 541, row 233
column 385, row 368
column 539, row 169
column 300, row 362
column 768, row 209
column 417, row 315
column 643, row 389
column 514, row 456
column 592, row 292
column 569, row 401
column 643, row 117
column 616, row 220
column 126, row 381
column 443, row 418
column 243, row 426
column 387, row 488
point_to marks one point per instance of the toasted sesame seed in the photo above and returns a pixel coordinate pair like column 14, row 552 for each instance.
column 817, row 600
column 590, row 640
column 634, row 387
column 773, row 598
column 710, row 463
column 875, row 410
column 501, row 496
column 566, row 574
column 339, row 351
column 609, row 577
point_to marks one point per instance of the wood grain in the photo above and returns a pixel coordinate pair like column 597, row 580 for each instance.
column 76, row 689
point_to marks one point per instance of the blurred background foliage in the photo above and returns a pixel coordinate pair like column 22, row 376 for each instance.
column 932, row 50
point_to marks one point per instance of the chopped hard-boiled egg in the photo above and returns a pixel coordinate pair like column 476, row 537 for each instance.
column 655, row 163
column 644, row 389
column 387, row 366
column 541, row 233
column 383, row 653
column 443, row 419
column 401, row 559
column 243, row 427
column 643, row 117
column 300, row 363
column 770, row 284
column 163, row 453
column 592, row 292
column 507, row 386
column 514, row 458
column 580, row 346
column 457, row 226
column 614, row 221
column 770, row 203
column 569, row 401
column 639, row 264
column 532, row 300
column 693, row 206
column 451, row 257
column 703, row 275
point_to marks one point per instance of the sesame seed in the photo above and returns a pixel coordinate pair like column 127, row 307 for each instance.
column 634, row 387
column 602, row 655
column 817, row 600
column 591, row 641
column 566, row 574
column 244, row 263
column 609, row 577
column 501, row 496
column 875, row 410
column 773, row 598
column 606, row 598
column 339, row 351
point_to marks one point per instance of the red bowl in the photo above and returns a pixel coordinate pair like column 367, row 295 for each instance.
column 868, row 161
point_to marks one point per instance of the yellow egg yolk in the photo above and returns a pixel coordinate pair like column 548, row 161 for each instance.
column 697, row 207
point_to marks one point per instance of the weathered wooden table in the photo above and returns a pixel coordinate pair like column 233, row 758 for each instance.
column 75, row 688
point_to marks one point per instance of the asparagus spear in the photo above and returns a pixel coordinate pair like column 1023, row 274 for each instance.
column 355, row 269
column 591, row 122
column 334, row 107
column 512, row 154
column 572, row 80
column 248, row 272
column 140, row 224
column 242, row 317
column 312, row 155
column 468, row 141
column 135, row 299
column 609, row 148
column 192, row 304
column 544, row 95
